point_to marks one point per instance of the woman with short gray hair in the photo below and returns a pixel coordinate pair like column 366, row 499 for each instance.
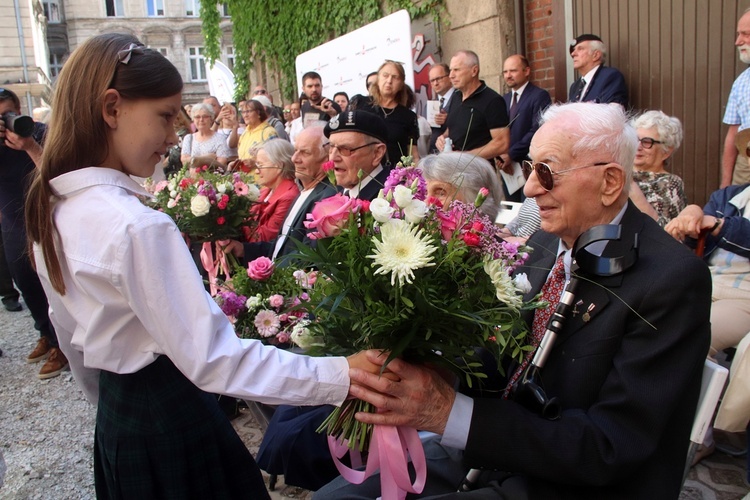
column 459, row 176
column 275, row 173
column 655, row 191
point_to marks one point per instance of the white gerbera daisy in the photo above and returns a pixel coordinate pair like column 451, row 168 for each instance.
column 505, row 287
column 402, row 250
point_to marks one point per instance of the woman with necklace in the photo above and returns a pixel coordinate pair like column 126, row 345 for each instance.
column 390, row 99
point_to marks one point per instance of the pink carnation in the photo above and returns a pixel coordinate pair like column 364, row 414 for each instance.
column 328, row 166
column 330, row 215
column 260, row 269
column 276, row 300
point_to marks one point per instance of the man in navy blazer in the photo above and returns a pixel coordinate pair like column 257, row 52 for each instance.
column 626, row 366
column 525, row 103
column 597, row 83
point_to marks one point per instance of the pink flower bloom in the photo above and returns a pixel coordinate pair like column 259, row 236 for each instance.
column 330, row 215
column 260, row 269
column 449, row 221
column 267, row 323
column 276, row 300
column 328, row 166
column 283, row 318
column 160, row 186
column 484, row 192
column 240, row 188
column 471, row 239
column 221, row 221
column 283, row 337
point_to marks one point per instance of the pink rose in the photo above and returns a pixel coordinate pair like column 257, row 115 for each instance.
column 260, row 269
column 221, row 221
column 449, row 221
column 330, row 215
column 276, row 300
column 283, row 337
column 471, row 239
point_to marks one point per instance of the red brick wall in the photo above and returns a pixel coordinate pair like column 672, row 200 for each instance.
column 539, row 43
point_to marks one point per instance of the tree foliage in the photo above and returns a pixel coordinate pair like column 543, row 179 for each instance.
column 275, row 33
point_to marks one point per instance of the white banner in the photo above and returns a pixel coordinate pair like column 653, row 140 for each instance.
column 221, row 82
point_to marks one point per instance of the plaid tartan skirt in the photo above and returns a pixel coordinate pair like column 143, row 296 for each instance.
column 159, row 436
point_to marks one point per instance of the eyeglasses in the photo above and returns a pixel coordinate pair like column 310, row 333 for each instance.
column 347, row 151
column 260, row 92
column 648, row 142
column 546, row 175
column 438, row 78
column 287, row 110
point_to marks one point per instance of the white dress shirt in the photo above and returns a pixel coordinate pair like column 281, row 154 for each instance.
column 354, row 192
column 133, row 293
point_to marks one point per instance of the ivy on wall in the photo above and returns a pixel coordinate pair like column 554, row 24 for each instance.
column 275, row 32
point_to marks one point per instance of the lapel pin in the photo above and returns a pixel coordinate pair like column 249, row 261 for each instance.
column 575, row 308
column 587, row 315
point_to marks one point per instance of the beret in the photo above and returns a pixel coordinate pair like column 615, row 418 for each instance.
column 583, row 38
column 358, row 121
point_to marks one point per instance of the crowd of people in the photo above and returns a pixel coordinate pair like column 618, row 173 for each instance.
column 109, row 284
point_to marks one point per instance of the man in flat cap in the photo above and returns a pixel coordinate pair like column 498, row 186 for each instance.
column 357, row 147
column 597, row 83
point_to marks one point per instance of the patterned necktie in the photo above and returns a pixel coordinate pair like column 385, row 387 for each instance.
column 551, row 293
column 579, row 90
column 442, row 101
column 513, row 104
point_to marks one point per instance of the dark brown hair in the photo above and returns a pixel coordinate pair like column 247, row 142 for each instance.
column 77, row 136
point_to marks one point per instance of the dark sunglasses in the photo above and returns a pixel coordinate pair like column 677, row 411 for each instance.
column 648, row 142
column 545, row 175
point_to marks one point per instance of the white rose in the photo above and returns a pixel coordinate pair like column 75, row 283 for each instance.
column 381, row 210
column 521, row 281
column 403, row 196
column 253, row 192
column 415, row 211
column 221, row 188
column 254, row 302
column 173, row 193
column 200, row 205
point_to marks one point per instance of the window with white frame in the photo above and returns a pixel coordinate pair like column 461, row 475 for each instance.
column 162, row 50
column 225, row 9
column 55, row 65
column 192, row 8
column 114, row 8
column 197, row 64
column 155, row 8
column 229, row 57
column 51, row 10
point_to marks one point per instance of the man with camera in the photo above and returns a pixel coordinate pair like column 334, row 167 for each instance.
column 20, row 151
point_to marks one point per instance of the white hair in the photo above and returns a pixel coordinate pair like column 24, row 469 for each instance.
column 668, row 127
column 202, row 106
column 598, row 45
column 468, row 173
column 602, row 131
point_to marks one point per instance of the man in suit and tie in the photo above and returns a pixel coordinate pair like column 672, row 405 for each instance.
column 356, row 148
column 627, row 363
column 597, row 83
column 525, row 103
column 442, row 90
column 310, row 152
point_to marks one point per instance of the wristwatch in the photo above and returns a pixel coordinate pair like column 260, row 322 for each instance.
column 716, row 224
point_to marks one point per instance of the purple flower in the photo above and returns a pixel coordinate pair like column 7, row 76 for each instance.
column 406, row 177
column 230, row 303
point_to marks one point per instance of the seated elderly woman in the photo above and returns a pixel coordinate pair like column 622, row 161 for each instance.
column 204, row 143
column 275, row 173
column 460, row 176
column 655, row 191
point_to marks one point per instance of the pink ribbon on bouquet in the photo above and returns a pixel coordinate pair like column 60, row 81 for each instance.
column 390, row 449
column 214, row 266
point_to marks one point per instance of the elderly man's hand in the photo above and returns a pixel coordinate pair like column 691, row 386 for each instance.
column 689, row 223
column 419, row 397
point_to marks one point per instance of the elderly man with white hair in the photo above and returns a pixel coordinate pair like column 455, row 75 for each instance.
column 625, row 369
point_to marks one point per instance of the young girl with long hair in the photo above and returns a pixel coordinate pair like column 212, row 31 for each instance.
column 143, row 337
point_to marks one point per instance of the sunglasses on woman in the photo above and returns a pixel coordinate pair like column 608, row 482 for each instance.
column 545, row 175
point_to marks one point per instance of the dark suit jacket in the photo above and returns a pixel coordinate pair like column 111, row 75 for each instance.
column 438, row 131
column 628, row 391
column 371, row 190
column 608, row 85
column 298, row 232
column 524, row 120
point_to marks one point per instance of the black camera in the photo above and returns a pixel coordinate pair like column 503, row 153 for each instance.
column 19, row 124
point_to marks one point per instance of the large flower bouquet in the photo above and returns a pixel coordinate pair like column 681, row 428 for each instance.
column 403, row 274
column 207, row 206
column 268, row 303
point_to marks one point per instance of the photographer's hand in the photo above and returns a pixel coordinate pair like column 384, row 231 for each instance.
column 28, row 144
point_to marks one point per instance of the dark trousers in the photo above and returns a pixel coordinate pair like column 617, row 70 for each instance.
column 8, row 292
column 27, row 281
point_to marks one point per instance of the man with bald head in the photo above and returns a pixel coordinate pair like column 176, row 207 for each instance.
column 525, row 103
column 627, row 363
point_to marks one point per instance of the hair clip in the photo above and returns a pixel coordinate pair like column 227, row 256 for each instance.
column 124, row 55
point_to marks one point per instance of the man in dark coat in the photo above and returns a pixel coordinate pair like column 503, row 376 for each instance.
column 597, row 83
